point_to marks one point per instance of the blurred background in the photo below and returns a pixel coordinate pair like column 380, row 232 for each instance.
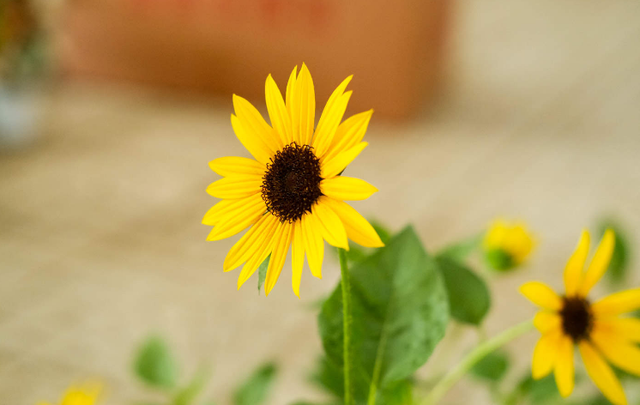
column 110, row 111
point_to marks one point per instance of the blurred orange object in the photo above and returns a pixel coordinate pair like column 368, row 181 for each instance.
column 394, row 48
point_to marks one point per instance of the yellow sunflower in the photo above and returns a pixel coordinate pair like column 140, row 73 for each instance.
column 598, row 329
column 291, row 193
column 507, row 245
column 86, row 394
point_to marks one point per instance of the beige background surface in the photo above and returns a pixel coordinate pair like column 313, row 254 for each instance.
column 100, row 234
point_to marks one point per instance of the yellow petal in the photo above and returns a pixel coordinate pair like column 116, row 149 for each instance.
column 251, row 141
column 544, row 355
column 564, row 367
column 235, row 187
column 599, row 263
column 231, row 225
column 519, row 243
column 541, row 295
column 278, row 112
column 358, row 229
column 331, row 117
column 601, row 374
column 626, row 328
column 619, row 352
column 291, row 86
column 573, row 271
column 332, row 229
column 250, row 242
column 278, row 256
column 252, row 121
column 349, row 134
column 263, row 248
column 297, row 257
column 227, row 209
column 546, row 322
column 334, row 166
column 347, row 188
column 303, row 107
column 313, row 244
column 618, row 303
column 237, row 166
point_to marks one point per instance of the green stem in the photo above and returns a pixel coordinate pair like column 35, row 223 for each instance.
column 347, row 320
column 480, row 352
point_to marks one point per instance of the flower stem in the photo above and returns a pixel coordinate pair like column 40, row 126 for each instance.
column 347, row 321
column 477, row 354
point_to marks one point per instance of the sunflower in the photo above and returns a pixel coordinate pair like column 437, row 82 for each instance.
column 599, row 331
column 291, row 192
column 507, row 245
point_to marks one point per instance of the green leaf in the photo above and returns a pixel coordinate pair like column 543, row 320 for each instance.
column 262, row 272
column 619, row 264
column 255, row 389
column 400, row 312
column 493, row 367
column 188, row 394
column 154, row 364
column 469, row 297
column 461, row 250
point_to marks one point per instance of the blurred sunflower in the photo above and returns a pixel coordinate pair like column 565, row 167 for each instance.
column 598, row 329
column 86, row 394
column 507, row 245
column 291, row 193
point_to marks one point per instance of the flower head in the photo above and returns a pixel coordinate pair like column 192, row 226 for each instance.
column 291, row 193
column 507, row 245
column 86, row 394
column 599, row 330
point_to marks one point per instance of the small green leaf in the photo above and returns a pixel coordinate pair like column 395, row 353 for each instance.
column 188, row 394
column 500, row 260
column 262, row 272
column 461, row 250
column 469, row 297
column 493, row 367
column 619, row 264
column 400, row 312
column 255, row 389
column 154, row 364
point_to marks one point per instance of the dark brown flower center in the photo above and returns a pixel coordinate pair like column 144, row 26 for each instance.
column 577, row 319
column 291, row 184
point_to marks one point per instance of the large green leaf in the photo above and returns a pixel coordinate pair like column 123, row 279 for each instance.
column 400, row 312
column 255, row 389
column 469, row 297
column 154, row 364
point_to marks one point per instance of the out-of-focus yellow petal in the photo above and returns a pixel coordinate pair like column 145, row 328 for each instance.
column 235, row 187
column 303, row 107
column 618, row 303
column 278, row 256
column 313, row 244
column 333, row 167
column 626, row 328
column 278, row 112
column 573, row 271
column 618, row 351
column 599, row 263
column 546, row 322
column 544, row 355
column 358, row 229
column 232, row 224
column 252, row 141
column 297, row 257
column 347, row 188
column 247, row 246
column 601, row 374
column 330, row 225
column 564, row 367
column 542, row 295
column 349, row 134
column 237, row 166
column 331, row 117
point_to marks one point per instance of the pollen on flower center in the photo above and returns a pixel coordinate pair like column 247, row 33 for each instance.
column 577, row 319
column 291, row 184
